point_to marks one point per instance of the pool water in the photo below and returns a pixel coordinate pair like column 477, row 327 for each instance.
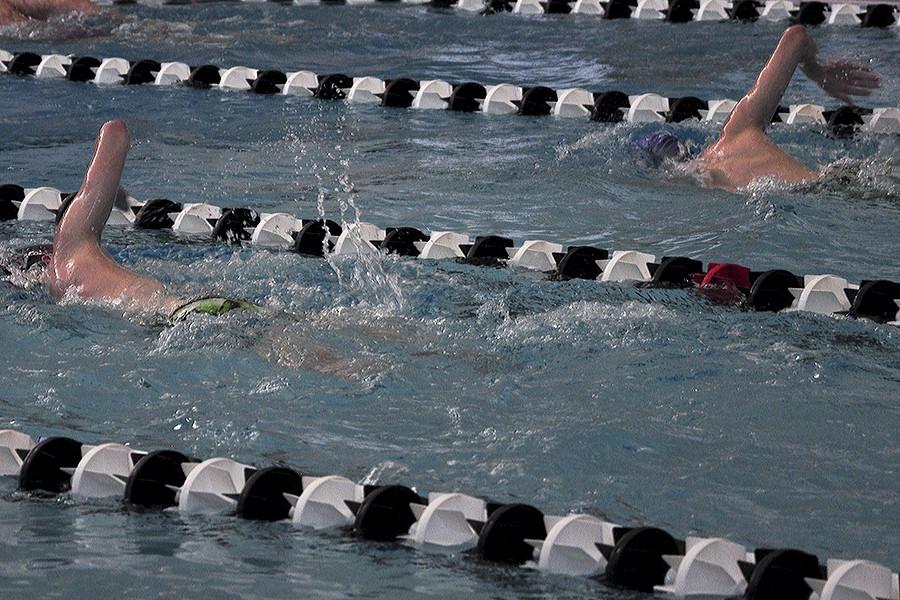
column 641, row 406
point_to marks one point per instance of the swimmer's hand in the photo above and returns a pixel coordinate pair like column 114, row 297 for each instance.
column 842, row 78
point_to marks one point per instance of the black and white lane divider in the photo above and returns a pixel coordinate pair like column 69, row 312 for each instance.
column 683, row 11
column 858, row 13
column 768, row 290
column 640, row 558
column 504, row 98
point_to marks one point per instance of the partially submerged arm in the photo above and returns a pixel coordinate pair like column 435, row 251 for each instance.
column 796, row 48
column 79, row 263
column 8, row 14
column 44, row 9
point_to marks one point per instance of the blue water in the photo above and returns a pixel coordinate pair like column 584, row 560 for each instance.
column 646, row 407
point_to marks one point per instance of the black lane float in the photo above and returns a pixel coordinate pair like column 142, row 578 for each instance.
column 609, row 106
column 643, row 558
column 773, row 289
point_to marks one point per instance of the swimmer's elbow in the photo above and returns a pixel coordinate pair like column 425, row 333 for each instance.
column 795, row 31
column 115, row 128
column 796, row 36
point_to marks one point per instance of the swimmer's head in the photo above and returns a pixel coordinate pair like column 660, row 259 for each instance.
column 662, row 146
column 27, row 258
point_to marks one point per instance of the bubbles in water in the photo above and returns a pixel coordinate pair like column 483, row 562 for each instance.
column 385, row 471
column 362, row 278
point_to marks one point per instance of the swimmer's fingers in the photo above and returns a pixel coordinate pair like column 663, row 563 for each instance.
column 859, row 91
column 859, row 72
column 856, row 75
column 860, row 83
column 864, row 79
column 843, row 98
column 843, row 79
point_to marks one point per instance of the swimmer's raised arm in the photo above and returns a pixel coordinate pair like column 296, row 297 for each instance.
column 796, row 48
column 79, row 264
column 87, row 215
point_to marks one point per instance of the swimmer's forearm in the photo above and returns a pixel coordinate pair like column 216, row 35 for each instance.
column 755, row 110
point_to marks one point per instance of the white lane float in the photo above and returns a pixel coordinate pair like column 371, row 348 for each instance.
column 626, row 265
column 709, row 567
column 500, row 99
column 432, row 94
column 443, row 245
column 323, row 503
column 650, row 9
column 40, row 204
column 855, row 580
column 212, row 486
column 237, row 78
column 588, row 7
column 883, row 120
column 712, row 10
column 300, row 83
column 534, row 254
column 528, row 7
column 366, row 89
column 570, row 547
column 844, row 14
column 5, row 57
column 196, row 218
column 445, row 521
column 171, row 73
column 806, row 113
column 14, row 447
column 573, row 102
column 718, row 110
column 357, row 238
column 777, row 10
column 823, row 294
column 647, row 108
column 103, row 470
column 111, row 71
column 470, row 5
column 52, row 66
column 275, row 230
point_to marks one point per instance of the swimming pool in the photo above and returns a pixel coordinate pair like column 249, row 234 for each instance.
column 644, row 407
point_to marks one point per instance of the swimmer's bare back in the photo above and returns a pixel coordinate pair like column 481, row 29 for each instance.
column 79, row 265
column 13, row 11
column 743, row 152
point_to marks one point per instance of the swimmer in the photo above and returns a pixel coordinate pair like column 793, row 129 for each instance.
column 15, row 11
column 743, row 152
column 77, row 266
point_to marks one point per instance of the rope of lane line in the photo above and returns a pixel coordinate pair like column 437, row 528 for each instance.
column 641, row 558
column 859, row 13
column 770, row 290
column 611, row 106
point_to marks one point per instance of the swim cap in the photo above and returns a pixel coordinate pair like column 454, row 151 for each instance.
column 661, row 146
